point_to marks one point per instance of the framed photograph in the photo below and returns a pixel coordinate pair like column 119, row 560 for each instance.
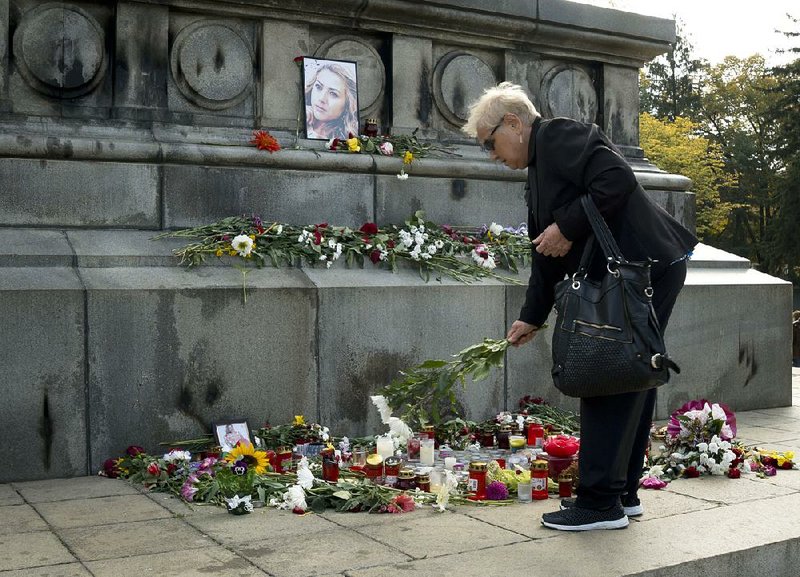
column 330, row 98
column 230, row 432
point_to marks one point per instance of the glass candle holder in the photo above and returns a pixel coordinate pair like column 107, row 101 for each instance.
column 524, row 492
column 413, row 447
column 426, row 452
column 359, row 458
column 385, row 446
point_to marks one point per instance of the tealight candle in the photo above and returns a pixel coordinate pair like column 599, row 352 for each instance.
column 449, row 462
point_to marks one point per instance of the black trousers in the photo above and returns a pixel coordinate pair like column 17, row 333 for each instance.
column 615, row 429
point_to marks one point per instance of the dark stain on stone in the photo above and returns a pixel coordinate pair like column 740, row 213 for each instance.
column 416, row 204
column 368, row 372
column 219, row 60
column 459, row 97
column 458, row 189
column 56, row 147
column 98, row 145
column 425, row 100
column 213, row 392
column 184, row 402
column 46, row 432
column 23, row 140
column 747, row 360
column 199, row 68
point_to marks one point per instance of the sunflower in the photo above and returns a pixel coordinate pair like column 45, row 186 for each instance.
column 245, row 452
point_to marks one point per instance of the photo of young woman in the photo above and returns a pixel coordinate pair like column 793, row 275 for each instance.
column 331, row 98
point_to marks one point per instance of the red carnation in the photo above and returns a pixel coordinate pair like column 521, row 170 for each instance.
column 171, row 468
column 153, row 468
column 317, row 236
column 390, row 244
column 110, row 468
column 334, row 144
column 691, row 472
column 375, row 256
column 369, row 228
column 134, row 450
column 734, row 473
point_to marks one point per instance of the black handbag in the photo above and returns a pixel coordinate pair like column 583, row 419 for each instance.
column 607, row 339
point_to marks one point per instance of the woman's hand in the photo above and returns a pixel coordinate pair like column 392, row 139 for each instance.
column 520, row 333
column 551, row 242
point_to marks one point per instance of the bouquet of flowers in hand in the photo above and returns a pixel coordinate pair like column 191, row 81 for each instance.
column 700, row 439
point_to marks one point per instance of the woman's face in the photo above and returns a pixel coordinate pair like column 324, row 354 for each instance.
column 328, row 96
column 505, row 143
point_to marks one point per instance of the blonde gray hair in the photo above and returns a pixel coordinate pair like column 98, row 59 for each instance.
column 494, row 103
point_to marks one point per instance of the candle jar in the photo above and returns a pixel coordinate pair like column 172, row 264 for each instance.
column 535, row 435
column 539, row 479
column 477, row 481
column 486, row 437
column 391, row 468
column 371, row 127
column 564, row 486
column 374, row 468
column 330, row 465
column 413, row 447
column 424, row 482
column 524, row 491
column 426, row 452
column 385, row 446
column 502, row 437
column 359, row 458
column 406, row 479
column 428, row 432
column 283, row 460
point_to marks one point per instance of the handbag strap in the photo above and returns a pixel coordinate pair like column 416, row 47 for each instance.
column 601, row 231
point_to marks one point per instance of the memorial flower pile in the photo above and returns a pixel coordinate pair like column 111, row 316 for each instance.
column 464, row 255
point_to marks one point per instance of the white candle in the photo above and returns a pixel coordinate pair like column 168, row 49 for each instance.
column 385, row 446
column 449, row 462
column 426, row 452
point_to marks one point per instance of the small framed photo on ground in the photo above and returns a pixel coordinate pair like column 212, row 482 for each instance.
column 230, row 432
column 330, row 98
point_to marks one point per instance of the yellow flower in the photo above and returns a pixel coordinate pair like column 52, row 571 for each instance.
column 245, row 452
column 252, row 237
column 299, row 420
column 219, row 252
column 408, row 157
column 232, row 252
column 353, row 145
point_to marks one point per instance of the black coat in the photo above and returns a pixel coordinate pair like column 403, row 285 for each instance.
column 566, row 160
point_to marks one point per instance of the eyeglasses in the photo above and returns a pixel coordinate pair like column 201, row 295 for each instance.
column 488, row 142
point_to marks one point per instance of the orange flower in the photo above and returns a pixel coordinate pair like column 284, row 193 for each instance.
column 265, row 141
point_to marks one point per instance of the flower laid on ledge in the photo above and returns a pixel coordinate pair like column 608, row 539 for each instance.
column 465, row 256
column 263, row 140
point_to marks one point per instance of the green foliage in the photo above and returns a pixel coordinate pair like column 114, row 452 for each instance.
column 676, row 147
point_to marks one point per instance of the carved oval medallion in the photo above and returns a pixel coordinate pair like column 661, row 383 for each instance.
column 458, row 79
column 569, row 91
column 370, row 69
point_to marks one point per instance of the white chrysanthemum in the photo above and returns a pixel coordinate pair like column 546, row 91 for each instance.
column 495, row 229
column 235, row 501
column 399, row 430
column 242, row 244
column 383, row 407
column 402, row 176
column 305, row 478
column 176, row 455
column 439, row 244
column 431, row 249
column 294, row 498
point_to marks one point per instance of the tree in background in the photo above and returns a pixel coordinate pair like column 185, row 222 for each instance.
column 669, row 85
column 676, row 147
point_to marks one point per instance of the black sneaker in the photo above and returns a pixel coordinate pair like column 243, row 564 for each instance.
column 578, row 519
column 632, row 508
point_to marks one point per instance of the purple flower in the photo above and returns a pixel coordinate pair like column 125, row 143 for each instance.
column 770, row 471
column 674, row 426
column 240, row 468
column 496, row 491
column 188, row 490
column 652, row 482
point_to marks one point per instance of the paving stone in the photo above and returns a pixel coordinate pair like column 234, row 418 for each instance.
column 666, row 503
column 23, row 550
column 724, row 490
column 75, row 488
column 190, row 563
column 8, row 496
column 20, row 519
column 100, row 511
column 765, row 435
column 331, row 551
column 125, row 539
column 747, row 419
column 427, row 533
column 260, row 524
column 523, row 518
column 181, row 508
column 63, row 570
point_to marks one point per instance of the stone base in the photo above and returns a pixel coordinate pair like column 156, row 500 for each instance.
column 108, row 343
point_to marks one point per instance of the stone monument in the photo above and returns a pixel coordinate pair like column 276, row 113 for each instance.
column 120, row 119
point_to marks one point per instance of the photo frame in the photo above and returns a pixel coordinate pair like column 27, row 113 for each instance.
column 330, row 98
column 230, row 432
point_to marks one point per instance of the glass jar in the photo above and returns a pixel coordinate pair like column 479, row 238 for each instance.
column 565, row 486
column 486, row 437
column 427, row 453
column 424, row 482
column 477, row 481
column 412, row 447
column 535, row 435
column 359, row 458
column 539, row 479
column 374, row 468
column 391, row 468
column 330, row 466
column 283, row 460
column 428, row 431
column 502, row 437
column 406, row 479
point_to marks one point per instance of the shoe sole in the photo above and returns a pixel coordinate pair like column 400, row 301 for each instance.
column 616, row 524
column 633, row 511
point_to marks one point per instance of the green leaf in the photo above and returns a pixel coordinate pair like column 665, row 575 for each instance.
column 318, row 504
column 432, row 364
column 342, row 495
